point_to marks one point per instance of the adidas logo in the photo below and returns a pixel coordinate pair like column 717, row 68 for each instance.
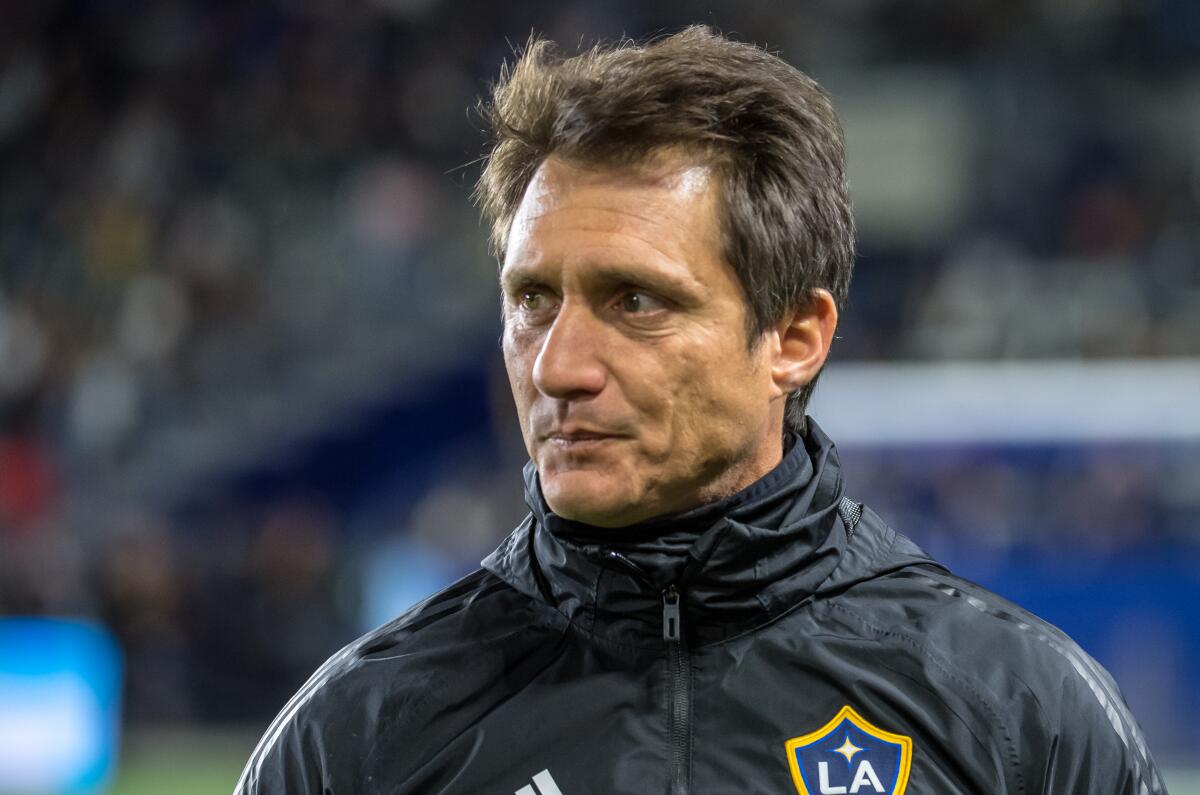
column 543, row 784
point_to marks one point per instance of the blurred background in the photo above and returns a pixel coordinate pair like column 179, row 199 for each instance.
column 252, row 404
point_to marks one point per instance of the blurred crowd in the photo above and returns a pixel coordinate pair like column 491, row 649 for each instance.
column 231, row 233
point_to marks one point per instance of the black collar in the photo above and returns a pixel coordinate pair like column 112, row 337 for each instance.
column 737, row 562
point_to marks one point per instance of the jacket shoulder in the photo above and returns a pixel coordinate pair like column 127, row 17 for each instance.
column 1055, row 713
column 1072, row 715
column 918, row 602
column 391, row 681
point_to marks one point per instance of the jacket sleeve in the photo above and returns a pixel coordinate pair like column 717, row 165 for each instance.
column 288, row 758
column 283, row 762
column 1096, row 746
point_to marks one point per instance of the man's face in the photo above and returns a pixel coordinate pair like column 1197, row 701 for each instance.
column 625, row 343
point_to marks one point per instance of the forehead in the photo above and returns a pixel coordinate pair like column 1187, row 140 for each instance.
column 665, row 208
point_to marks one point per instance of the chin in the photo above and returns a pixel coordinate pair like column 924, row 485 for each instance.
column 588, row 498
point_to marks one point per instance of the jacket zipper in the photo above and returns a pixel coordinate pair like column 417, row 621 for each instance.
column 680, row 674
column 680, row 692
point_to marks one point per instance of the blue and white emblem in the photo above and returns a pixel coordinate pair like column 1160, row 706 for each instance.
column 848, row 755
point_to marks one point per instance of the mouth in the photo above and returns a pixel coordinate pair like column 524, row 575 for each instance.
column 576, row 441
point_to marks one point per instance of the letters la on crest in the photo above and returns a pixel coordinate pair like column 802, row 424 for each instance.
column 849, row 755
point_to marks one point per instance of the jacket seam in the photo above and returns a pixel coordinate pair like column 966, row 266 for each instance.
column 850, row 534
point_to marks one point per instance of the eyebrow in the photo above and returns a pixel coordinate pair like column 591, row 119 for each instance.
column 609, row 274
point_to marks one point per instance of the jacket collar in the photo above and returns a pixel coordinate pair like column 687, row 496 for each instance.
column 737, row 563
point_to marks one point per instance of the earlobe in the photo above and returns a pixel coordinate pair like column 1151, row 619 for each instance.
column 804, row 340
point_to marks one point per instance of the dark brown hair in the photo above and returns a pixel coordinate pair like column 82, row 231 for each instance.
column 768, row 130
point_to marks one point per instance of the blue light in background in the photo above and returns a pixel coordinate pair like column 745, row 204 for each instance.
column 60, row 686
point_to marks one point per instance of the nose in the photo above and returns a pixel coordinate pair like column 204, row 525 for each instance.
column 568, row 365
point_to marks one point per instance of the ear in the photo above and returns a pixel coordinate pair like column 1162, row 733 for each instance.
column 803, row 340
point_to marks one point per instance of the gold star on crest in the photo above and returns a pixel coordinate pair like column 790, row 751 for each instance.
column 847, row 750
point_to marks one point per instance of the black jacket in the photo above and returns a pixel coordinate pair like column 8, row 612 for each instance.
column 783, row 640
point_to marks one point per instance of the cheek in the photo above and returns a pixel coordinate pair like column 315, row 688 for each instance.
column 725, row 396
column 678, row 401
column 518, row 362
column 520, row 347
column 655, row 383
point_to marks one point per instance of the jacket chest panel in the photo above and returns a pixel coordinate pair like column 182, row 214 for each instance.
column 602, row 724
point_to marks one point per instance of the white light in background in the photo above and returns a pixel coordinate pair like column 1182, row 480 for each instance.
column 52, row 732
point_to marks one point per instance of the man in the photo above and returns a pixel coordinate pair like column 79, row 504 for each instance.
column 693, row 604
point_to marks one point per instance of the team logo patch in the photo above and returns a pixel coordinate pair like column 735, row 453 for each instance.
column 848, row 755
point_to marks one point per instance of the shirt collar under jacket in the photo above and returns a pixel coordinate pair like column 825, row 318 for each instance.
column 737, row 563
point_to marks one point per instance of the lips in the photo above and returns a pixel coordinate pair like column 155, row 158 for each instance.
column 572, row 429
column 578, row 436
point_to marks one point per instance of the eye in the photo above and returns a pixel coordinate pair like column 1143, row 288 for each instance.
column 531, row 300
column 636, row 302
column 534, row 304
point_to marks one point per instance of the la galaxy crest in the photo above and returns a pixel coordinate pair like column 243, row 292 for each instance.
column 849, row 756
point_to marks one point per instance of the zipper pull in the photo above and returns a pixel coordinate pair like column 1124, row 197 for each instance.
column 672, row 628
